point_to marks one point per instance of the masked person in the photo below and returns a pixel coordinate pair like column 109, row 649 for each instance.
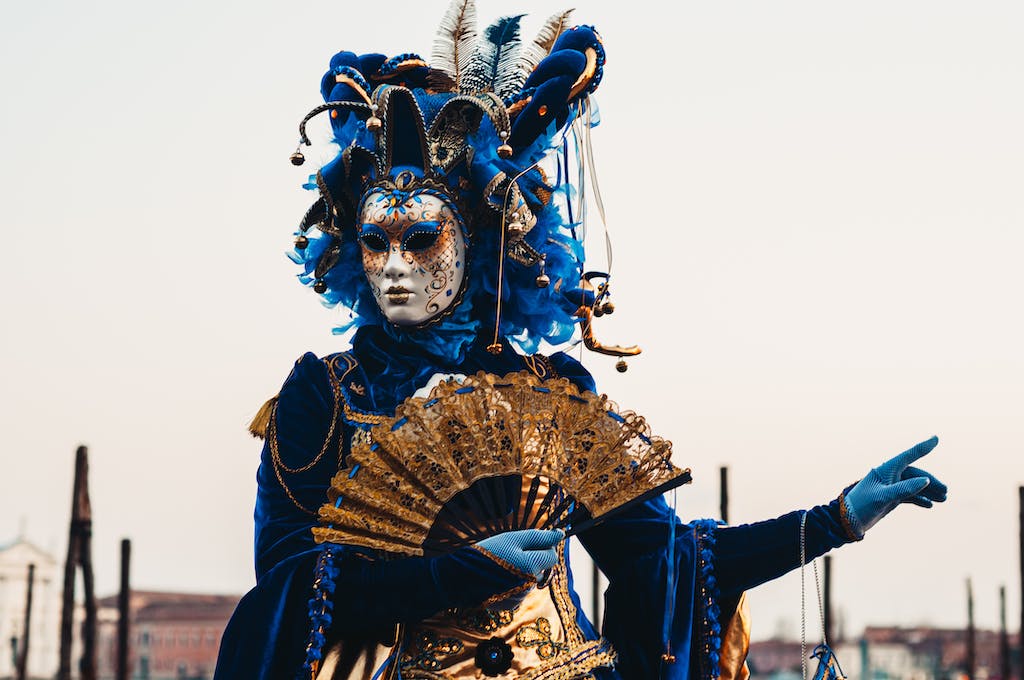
column 456, row 254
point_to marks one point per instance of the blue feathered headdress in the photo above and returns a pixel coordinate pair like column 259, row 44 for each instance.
column 475, row 123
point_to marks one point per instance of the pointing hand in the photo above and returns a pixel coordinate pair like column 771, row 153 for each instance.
column 891, row 483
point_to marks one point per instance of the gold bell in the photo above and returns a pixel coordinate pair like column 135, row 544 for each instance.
column 608, row 307
column 297, row 158
column 320, row 287
column 621, row 366
column 301, row 242
column 599, row 310
column 543, row 280
column 494, row 348
column 374, row 124
column 505, row 151
column 668, row 658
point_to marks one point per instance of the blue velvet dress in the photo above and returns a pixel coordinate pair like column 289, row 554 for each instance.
column 672, row 587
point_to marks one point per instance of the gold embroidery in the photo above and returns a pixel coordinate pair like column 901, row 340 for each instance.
column 358, row 389
column 570, row 655
column 540, row 365
column 337, row 376
column 482, row 620
column 428, row 651
column 538, row 634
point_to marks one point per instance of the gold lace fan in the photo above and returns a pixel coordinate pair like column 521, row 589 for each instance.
column 493, row 454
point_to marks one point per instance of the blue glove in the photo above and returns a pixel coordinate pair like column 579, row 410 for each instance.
column 530, row 552
column 891, row 483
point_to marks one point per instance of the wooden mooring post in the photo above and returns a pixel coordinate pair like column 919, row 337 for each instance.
column 22, row 669
column 1020, row 634
column 972, row 656
column 1004, row 637
column 723, row 493
column 79, row 555
column 124, row 611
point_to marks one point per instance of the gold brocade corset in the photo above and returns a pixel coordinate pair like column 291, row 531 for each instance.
column 540, row 635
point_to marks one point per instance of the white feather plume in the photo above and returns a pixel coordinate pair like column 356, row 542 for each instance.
column 456, row 39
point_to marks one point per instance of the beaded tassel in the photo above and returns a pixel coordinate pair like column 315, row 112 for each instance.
column 711, row 644
column 321, row 607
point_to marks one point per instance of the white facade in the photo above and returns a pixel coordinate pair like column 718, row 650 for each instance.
column 44, row 640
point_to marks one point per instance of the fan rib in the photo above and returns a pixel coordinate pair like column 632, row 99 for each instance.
column 494, row 454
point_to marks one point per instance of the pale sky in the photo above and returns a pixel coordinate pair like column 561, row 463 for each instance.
column 817, row 218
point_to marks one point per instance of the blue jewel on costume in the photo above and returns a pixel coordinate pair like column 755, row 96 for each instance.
column 493, row 657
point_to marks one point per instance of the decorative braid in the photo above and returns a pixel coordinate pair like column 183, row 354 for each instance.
column 355, row 76
column 391, row 65
column 711, row 643
column 321, row 608
column 525, row 93
column 601, row 59
column 849, row 526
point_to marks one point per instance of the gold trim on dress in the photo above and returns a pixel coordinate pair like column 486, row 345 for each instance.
column 541, row 630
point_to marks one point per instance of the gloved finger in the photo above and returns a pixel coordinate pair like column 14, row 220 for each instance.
column 907, row 489
column 539, row 539
column 896, row 465
column 920, row 500
column 935, row 490
column 542, row 560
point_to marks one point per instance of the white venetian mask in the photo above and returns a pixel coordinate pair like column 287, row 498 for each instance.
column 414, row 253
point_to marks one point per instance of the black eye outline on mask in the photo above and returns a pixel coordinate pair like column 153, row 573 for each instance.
column 374, row 239
column 421, row 236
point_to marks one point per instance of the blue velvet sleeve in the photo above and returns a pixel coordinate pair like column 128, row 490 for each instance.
column 301, row 454
column 745, row 556
column 647, row 553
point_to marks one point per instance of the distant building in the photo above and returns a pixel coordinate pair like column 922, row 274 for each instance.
column 173, row 636
column 43, row 654
column 891, row 653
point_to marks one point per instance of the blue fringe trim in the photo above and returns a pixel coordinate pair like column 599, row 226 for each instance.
column 321, row 608
column 356, row 77
column 601, row 59
column 711, row 628
column 392, row 64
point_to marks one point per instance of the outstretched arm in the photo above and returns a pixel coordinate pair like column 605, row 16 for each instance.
column 667, row 578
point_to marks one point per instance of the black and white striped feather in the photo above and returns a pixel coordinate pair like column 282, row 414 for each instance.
column 456, row 40
column 495, row 63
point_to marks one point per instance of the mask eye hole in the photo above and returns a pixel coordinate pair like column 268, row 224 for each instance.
column 416, row 241
column 373, row 240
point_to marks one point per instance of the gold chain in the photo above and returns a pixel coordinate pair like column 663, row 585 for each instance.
column 275, row 453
